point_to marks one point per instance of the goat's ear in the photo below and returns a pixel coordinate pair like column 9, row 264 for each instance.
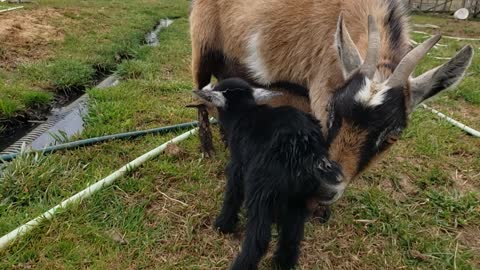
column 445, row 76
column 264, row 95
column 211, row 98
column 347, row 51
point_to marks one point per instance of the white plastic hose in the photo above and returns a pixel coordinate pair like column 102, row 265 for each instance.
column 448, row 37
column 10, row 237
column 454, row 122
column 10, row 9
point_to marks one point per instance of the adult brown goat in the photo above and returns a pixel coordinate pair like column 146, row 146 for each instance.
column 354, row 57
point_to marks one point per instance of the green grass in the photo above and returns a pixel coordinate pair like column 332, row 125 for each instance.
column 96, row 37
column 418, row 208
column 70, row 74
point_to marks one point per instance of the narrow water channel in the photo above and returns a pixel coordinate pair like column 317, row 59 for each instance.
column 66, row 121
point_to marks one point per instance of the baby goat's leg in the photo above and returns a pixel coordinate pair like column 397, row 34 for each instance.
column 257, row 236
column 291, row 225
column 232, row 202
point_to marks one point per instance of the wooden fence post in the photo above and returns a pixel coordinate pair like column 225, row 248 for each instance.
column 476, row 8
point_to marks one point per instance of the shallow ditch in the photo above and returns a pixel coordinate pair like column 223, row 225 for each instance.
column 65, row 119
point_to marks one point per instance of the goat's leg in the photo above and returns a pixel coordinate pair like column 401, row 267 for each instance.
column 204, row 132
column 202, row 67
column 257, row 236
column 228, row 217
column 291, row 225
column 223, row 135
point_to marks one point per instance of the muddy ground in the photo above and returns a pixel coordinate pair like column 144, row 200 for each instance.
column 27, row 34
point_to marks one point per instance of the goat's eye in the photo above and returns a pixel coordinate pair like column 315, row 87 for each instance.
column 392, row 139
column 387, row 141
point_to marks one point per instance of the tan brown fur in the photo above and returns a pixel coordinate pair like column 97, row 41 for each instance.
column 287, row 99
column 205, row 30
column 297, row 45
column 346, row 147
column 300, row 31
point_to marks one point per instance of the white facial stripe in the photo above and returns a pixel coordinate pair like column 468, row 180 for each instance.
column 363, row 96
column 255, row 62
column 368, row 96
column 378, row 98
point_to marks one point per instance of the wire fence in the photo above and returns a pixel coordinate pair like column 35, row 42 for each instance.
column 445, row 6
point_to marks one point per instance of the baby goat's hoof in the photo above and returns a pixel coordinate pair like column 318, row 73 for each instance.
column 225, row 226
column 322, row 214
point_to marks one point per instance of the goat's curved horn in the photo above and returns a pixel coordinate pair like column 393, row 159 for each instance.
column 410, row 61
column 370, row 65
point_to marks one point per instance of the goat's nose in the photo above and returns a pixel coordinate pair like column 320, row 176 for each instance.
column 331, row 193
column 339, row 179
column 327, row 196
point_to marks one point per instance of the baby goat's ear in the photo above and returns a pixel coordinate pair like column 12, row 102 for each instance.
column 445, row 76
column 264, row 95
column 212, row 98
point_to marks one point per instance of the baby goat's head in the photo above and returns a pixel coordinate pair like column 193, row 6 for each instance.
column 369, row 111
column 231, row 94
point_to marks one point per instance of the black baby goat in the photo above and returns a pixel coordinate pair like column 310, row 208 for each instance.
column 279, row 165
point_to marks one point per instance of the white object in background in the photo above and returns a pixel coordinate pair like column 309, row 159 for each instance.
column 426, row 26
column 10, row 9
column 461, row 14
column 447, row 37
column 454, row 122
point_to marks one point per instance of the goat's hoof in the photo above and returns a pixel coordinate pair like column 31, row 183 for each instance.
column 277, row 264
column 322, row 214
column 224, row 226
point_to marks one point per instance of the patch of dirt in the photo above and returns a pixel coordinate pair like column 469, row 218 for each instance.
column 26, row 34
column 174, row 150
column 401, row 188
column 470, row 237
column 118, row 237
column 462, row 180
column 464, row 112
column 406, row 185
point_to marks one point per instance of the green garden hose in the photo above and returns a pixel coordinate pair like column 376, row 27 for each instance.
column 91, row 141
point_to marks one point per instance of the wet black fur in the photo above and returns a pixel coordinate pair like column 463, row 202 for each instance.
column 278, row 162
